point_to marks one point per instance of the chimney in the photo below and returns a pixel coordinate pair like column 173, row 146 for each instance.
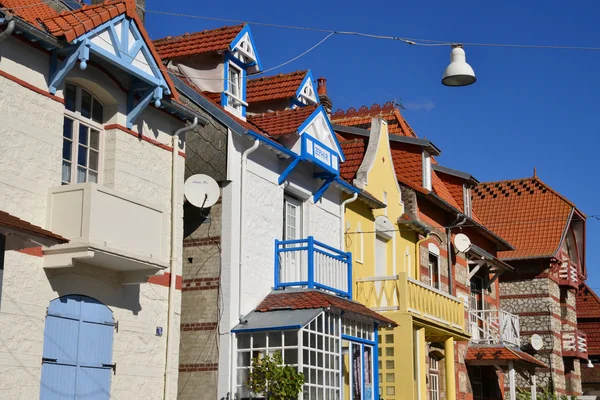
column 322, row 92
column 140, row 3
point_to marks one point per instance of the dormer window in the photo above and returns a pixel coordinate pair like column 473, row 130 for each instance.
column 426, row 170
column 467, row 200
column 234, row 88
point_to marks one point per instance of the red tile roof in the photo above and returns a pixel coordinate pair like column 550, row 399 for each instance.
column 14, row 223
column 526, row 212
column 284, row 122
column 311, row 299
column 279, row 87
column 588, row 303
column 361, row 118
column 592, row 332
column 190, row 44
column 31, row 11
column 354, row 151
column 501, row 353
column 72, row 24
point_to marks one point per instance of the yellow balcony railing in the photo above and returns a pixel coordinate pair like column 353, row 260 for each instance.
column 401, row 293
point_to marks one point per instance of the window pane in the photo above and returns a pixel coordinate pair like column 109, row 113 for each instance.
column 97, row 112
column 290, row 356
column 95, row 139
column 275, row 339
column 243, row 359
column 83, row 134
column 93, row 160
column 93, row 177
column 70, row 91
column 86, row 104
column 66, row 172
column 68, row 128
column 291, row 338
column 67, row 149
column 82, row 156
column 80, row 175
column 243, row 341
column 260, row 340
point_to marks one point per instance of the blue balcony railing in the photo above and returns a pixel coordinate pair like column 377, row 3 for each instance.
column 311, row 264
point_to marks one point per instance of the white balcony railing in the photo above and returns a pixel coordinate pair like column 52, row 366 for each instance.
column 494, row 326
column 106, row 229
column 567, row 274
column 574, row 344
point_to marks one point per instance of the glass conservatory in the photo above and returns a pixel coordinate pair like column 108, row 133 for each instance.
column 335, row 350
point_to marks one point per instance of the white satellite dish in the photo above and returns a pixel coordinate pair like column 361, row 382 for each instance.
column 536, row 342
column 201, row 190
column 462, row 243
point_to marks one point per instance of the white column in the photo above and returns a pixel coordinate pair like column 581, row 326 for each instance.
column 511, row 381
column 533, row 386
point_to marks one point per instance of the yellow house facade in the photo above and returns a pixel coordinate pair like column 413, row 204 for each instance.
column 386, row 274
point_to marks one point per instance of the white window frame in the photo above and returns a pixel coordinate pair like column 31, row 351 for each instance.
column 238, row 102
column 434, row 379
column 426, row 170
column 467, row 201
column 431, row 266
column 78, row 120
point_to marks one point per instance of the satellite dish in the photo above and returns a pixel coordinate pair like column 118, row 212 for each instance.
column 201, row 190
column 536, row 342
column 462, row 243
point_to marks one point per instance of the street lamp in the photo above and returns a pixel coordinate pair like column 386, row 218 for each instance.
column 458, row 73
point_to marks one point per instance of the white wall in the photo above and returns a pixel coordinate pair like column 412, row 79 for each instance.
column 263, row 224
column 30, row 163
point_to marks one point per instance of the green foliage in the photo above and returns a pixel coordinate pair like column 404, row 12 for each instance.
column 543, row 393
column 273, row 380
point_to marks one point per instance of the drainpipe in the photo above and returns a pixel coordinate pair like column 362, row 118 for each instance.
column 460, row 220
column 173, row 260
column 243, row 220
column 418, row 255
column 10, row 27
column 343, row 219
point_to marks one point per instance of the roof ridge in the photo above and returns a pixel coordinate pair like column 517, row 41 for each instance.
column 264, row 78
column 364, row 110
column 187, row 35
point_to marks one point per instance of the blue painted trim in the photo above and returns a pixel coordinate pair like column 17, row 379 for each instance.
column 125, row 36
column 375, row 363
column 99, row 29
column 362, row 356
column 321, row 110
column 311, row 157
column 309, row 76
column 346, row 185
column 311, row 262
column 243, row 90
column 275, row 328
column 239, row 37
column 286, row 172
column 134, row 112
column 277, row 263
column 297, row 103
column 339, row 292
column 350, row 281
column 317, row 196
column 358, row 340
column 58, row 71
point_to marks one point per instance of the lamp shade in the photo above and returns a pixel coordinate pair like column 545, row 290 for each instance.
column 458, row 73
column 590, row 365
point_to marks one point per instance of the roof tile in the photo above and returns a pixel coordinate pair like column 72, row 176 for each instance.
column 588, row 303
column 500, row 352
column 354, row 152
column 541, row 212
column 191, row 44
column 311, row 299
column 10, row 221
column 279, row 87
column 284, row 122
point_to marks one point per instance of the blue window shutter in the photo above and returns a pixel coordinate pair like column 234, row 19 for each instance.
column 77, row 349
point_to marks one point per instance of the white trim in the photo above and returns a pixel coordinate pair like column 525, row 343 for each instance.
column 433, row 249
column 426, row 170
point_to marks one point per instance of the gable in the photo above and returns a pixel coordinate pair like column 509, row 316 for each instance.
column 244, row 44
column 319, row 127
column 306, row 93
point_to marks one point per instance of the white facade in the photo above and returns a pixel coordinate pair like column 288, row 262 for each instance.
column 263, row 224
column 31, row 133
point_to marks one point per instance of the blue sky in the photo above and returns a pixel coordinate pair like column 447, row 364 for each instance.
column 528, row 107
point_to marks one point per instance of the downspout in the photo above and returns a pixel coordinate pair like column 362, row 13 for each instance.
column 245, row 155
column 418, row 255
column 173, row 260
column 10, row 27
column 343, row 219
column 458, row 223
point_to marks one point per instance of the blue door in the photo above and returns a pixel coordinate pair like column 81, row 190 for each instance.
column 77, row 358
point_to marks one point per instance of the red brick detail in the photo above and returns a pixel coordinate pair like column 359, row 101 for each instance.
column 33, row 251
column 200, row 326
column 142, row 137
column 31, row 87
column 201, row 284
column 202, row 241
column 164, row 280
column 198, row 367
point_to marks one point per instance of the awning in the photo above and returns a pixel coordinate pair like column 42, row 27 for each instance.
column 500, row 355
column 22, row 235
column 478, row 257
column 276, row 320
